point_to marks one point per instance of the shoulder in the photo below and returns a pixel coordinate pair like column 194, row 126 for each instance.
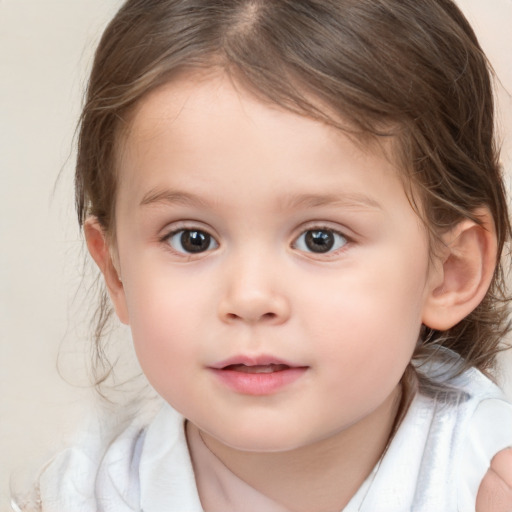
column 145, row 466
column 488, row 430
column 444, row 445
column 78, row 477
column 100, row 470
column 471, row 423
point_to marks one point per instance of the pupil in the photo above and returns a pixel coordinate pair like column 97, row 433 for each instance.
column 319, row 241
column 195, row 241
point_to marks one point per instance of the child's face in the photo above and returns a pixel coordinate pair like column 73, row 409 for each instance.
column 248, row 235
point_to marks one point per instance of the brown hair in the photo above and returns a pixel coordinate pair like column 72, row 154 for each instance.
column 412, row 65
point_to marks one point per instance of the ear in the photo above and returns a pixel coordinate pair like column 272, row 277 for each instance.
column 462, row 274
column 101, row 253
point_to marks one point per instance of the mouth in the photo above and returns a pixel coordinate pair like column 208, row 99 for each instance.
column 267, row 363
column 259, row 368
column 257, row 376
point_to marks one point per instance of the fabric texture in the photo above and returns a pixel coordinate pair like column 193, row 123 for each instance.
column 435, row 461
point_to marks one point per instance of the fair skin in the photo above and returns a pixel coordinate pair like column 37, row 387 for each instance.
column 255, row 251
column 495, row 493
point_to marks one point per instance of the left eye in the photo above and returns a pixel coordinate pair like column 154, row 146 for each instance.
column 320, row 241
column 191, row 241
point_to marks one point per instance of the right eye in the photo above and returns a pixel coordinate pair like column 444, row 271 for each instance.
column 191, row 241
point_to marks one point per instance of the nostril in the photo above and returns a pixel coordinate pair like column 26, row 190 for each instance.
column 265, row 317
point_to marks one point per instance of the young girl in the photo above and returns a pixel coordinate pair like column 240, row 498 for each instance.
column 297, row 208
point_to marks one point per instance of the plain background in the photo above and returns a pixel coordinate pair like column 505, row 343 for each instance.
column 45, row 53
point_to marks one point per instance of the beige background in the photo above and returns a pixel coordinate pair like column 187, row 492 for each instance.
column 45, row 52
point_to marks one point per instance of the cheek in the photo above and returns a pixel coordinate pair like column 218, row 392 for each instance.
column 367, row 323
column 380, row 301
column 165, row 320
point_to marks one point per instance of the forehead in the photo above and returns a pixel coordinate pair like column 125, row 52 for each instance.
column 205, row 130
column 193, row 99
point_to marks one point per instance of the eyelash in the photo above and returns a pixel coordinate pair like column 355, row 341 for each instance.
column 336, row 237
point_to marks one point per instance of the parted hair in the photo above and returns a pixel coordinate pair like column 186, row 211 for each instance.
column 408, row 70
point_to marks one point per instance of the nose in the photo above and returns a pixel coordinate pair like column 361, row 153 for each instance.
column 253, row 293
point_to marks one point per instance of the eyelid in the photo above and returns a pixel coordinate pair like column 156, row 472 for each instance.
column 187, row 225
column 326, row 226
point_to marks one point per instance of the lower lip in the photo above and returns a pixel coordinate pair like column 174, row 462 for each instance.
column 258, row 384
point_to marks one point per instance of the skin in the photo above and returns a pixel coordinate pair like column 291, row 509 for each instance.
column 203, row 156
column 495, row 493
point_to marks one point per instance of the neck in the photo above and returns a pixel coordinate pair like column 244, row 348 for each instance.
column 321, row 476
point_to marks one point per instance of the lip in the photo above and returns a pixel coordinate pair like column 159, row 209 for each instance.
column 259, row 360
column 258, row 375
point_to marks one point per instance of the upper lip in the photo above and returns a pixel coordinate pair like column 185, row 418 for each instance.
column 259, row 360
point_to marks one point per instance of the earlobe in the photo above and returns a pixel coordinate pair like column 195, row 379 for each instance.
column 101, row 253
column 463, row 273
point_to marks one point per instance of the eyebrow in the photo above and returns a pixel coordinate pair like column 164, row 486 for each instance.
column 165, row 196
column 346, row 200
